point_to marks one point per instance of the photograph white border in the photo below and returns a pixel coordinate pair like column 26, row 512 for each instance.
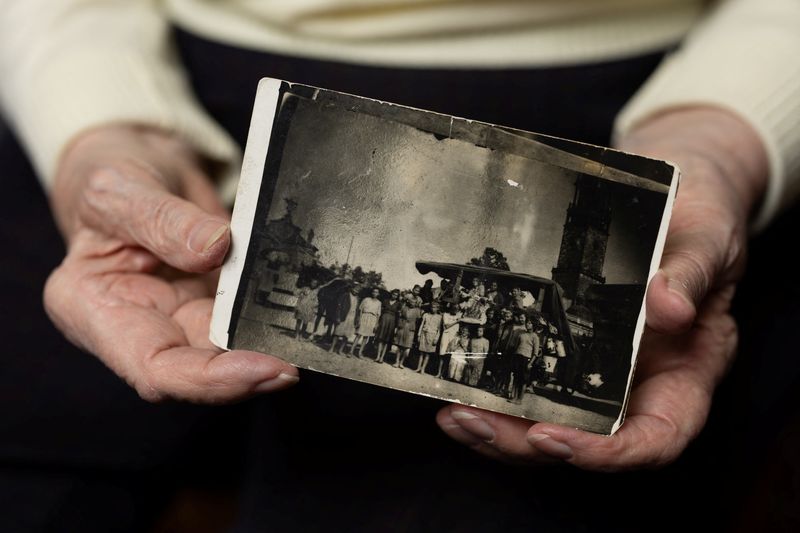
column 255, row 157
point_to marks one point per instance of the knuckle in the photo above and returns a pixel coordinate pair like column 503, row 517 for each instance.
column 107, row 199
column 709, row 235
column 619, row 453
column 219, row 385
column 148, row 385
column 57, row 300
column 149, row 394
column 727, row 334
column 735, row 249
column 695, row 269
column 104, row 179
column 161, row 215
column 101, row 183
column 653, row 446
column 702, row 167
column 668, row 447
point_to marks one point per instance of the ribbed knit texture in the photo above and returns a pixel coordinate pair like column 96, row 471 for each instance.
column 744, row 59
column 74, row 66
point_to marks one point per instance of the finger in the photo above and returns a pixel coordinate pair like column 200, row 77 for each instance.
column 706, row 350
column 669, row 309
column 200, row 190
column 125, row 319
column 668, row 406
column 211, row 376
column 138, row 209
column 194, row 318
column 153, row 354
column 96, row 253
column 644, row 441
column 116, row 279
column 699, row 252
column 492, row 434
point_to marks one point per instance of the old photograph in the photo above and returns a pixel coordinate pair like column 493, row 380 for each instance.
column 441, row 256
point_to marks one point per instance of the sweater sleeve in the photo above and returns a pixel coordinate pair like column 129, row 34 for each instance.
column 69, row 65
column 744, row 58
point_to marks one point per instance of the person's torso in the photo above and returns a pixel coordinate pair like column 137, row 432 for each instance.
column 443, row 32
column 479, row 346
column 525, row 344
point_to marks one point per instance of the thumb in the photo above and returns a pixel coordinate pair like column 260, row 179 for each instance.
column 699, row 250
column 140, row 210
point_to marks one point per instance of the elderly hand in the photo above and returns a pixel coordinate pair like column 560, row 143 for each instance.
column 138, row 214
column 690, row 338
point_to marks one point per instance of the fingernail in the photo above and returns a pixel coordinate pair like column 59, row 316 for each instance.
column 546, row 444
column 474, row 424
column 205, row 235
column 288, row 377
column 461, row 435
column 278, row 382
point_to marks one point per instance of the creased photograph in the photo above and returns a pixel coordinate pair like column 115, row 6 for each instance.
column 444, row 257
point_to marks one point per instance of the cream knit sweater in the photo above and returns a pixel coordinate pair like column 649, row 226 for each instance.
column 69, row 65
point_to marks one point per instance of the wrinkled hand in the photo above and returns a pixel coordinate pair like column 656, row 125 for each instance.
column 138, row 214
column 690, row 338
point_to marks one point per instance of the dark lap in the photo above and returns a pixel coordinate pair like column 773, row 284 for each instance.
column 78, row 449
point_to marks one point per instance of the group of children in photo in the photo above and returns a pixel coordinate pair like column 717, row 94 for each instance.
column 474, row 336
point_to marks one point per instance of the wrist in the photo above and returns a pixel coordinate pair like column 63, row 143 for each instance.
column 120, row 141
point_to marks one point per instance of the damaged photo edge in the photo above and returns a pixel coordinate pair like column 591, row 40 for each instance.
column 261, row 148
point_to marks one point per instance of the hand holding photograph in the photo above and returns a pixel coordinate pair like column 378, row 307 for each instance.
column 440, row 256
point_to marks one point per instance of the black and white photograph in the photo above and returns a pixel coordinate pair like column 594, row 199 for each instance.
column 444, row 257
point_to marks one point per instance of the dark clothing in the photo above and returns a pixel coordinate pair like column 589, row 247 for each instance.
column 495, row 298
column 519, row 374
column 487, row 381
column 506, row 338
column 341, row 308
column 426, row 293
column 388, row 321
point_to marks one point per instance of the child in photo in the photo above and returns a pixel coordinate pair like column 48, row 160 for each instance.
column 369, row 310
column 478, row 351
column 306, row 309
column 527, row 347
column 410, row 313
column 450, row 325
column 458, row 349
column 345, row 319
column 429, row 331
column 384, row 335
